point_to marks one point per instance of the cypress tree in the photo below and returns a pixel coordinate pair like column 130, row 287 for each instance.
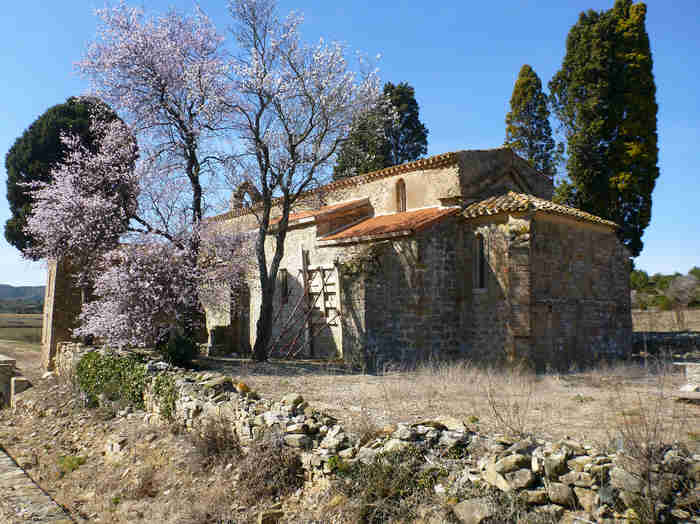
column 407, row 136
column 387, row 135
column 528, row 131
column 605, row 97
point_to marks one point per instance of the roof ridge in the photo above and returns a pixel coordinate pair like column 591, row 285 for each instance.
column 514, row 201
column 432, row 162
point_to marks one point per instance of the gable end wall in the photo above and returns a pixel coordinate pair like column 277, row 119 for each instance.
column 580, row 296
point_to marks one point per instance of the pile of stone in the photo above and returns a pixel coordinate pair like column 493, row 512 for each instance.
column 11, row 381
column 557, row 478
column 567, row 475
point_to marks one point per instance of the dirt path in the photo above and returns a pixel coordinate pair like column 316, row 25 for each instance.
column 22, row 500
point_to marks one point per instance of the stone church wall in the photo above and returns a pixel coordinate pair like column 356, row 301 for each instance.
column 496, row 316
column 410, row 297
column 580, row 300
column 423, row 188
column 399, row 298
column 494, row 172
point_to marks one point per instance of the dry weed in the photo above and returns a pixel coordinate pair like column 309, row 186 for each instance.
column 510, row 398
column 269, row 469
column 145, row 485
column 216, row 443
column 643, row 426
column 365, row 429
column 390, row 488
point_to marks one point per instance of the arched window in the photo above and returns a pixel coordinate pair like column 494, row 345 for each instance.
column 479, row 262
column 400, row 196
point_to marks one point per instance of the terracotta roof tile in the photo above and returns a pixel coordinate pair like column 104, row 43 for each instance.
column 333, row 208
column 513, row 202
column 407, row 222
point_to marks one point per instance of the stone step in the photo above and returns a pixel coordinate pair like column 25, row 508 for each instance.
column 22, row 500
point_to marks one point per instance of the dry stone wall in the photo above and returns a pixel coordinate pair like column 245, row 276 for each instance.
column 666, row 321
column 565, row 479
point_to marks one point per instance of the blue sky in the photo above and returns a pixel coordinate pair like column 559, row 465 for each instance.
column 462, row 58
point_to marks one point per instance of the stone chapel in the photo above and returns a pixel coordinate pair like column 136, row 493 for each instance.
column 461, row 254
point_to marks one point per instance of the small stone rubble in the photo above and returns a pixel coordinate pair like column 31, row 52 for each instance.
column 566, row 479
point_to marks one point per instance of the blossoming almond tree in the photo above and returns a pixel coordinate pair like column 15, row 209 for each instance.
column 284, row 104
column 143, row 288
column 165, row 78
column 146, row 289
column 93, row 195
column 291, row 105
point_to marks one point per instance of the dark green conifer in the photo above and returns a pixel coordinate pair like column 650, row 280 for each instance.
column 528, row 131
column 407, row 136
column 605, row 97
column 387, row 135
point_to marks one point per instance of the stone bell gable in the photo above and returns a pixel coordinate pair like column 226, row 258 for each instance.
column 62, row 303
column 460, row 254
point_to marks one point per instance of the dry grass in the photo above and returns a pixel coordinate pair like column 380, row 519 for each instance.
column 167, row 477
column 216, row 443
column 510, row 401
column 24, row 328
column 647, row 429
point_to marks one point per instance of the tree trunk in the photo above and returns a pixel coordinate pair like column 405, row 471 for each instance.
column 264, row 325
column 268, row 279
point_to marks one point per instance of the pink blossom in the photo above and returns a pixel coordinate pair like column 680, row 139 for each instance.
column 92, row 196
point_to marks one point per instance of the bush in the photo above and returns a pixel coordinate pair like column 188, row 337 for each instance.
column 119, row 379
column 165, row 392
column 216, row 443
column 68, row 464
column 662, row 302
column 269, row 469
column 178, row 350
column 390, row 487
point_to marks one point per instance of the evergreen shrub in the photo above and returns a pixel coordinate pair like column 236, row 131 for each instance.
column 117, row 378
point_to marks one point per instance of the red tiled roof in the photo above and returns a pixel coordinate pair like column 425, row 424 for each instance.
column 407, row 222
column 514, row 202
column 331, row 209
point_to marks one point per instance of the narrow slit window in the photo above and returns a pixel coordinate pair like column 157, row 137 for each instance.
column 480, row 262
column 400, row 196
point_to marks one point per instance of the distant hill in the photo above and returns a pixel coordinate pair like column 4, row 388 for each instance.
column 21, row 299
column 21, row 292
